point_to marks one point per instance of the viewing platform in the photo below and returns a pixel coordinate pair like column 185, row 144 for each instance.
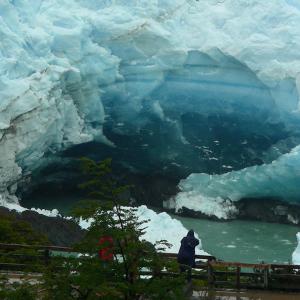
column 209, row 277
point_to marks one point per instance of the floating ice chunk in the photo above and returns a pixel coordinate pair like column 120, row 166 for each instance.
column 221, row 208
column 163, row 227
column 296, row 253
column 210, row 193
column 293, row 219
column 49, row 213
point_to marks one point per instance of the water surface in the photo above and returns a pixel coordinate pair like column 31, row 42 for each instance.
column 245, row 241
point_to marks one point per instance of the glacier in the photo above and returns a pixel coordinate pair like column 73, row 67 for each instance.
column 204, row 89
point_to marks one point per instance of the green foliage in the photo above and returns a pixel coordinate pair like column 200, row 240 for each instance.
column 13, row 231
column 200, row 283
column 135, row 272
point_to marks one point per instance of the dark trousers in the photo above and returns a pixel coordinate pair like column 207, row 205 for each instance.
column 186, row 268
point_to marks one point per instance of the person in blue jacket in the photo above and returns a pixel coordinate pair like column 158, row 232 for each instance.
column 186, row 254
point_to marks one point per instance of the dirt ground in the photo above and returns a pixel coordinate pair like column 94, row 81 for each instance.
column 244, row 295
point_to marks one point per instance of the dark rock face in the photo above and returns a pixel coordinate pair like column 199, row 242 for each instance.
column 152, row 189
column 190, row 213
column 269, row 210
column 60, row 232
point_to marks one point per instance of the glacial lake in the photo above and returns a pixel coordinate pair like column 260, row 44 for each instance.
column 245, row 241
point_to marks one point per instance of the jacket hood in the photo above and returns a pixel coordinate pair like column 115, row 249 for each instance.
column 190, row 233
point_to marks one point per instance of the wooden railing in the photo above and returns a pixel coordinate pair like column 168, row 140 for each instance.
column 12, row 258
column 35, row 247
column 250, row 276
column 212, row 272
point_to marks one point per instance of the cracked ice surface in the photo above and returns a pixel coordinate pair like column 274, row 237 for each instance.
column 69, row 68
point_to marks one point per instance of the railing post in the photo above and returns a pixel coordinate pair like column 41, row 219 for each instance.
column 266, row 277
column 47, row 256
column 210, row 274
column 238, row 277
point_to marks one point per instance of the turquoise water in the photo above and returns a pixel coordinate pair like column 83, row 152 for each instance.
column 245, row 241
column 63, row 204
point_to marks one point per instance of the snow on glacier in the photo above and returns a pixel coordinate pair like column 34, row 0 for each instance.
column 67, row 66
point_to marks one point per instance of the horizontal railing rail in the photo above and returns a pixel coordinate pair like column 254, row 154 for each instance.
column 36, row 247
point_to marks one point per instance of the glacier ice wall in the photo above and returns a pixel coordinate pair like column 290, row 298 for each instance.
column 202, row 86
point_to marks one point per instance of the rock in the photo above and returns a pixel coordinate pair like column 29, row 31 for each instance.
column 268, row 209
column 60, row 232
